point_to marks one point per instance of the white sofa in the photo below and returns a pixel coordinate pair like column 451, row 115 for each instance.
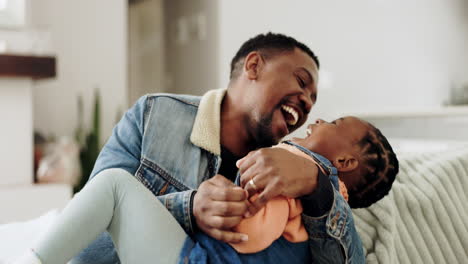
column 424, row 218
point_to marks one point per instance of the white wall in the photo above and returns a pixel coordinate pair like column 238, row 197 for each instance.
column 382, row 55
column 90, row 40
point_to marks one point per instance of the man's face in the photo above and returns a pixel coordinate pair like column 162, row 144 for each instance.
column 332, row 139
column 282, row 96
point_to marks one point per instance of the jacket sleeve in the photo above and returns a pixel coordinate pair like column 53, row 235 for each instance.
column 333, row 237
column 320, row 201
column 123, row 150
column 180, row 204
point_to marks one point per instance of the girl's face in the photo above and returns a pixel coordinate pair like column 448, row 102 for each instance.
column 332, row 139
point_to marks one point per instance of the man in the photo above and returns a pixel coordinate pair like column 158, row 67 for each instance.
column 185, row 148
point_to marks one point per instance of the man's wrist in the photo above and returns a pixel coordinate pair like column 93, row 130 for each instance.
column 314, row 181
column 192, row 216
column 320, row 200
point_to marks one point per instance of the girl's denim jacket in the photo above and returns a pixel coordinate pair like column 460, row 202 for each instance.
column 171, row 143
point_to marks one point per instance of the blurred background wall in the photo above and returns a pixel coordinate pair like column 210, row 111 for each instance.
column 89, row 39
column 375, row 55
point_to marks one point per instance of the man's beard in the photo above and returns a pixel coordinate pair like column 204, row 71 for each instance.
column 263, row 132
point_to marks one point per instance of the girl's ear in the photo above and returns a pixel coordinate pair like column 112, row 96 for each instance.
column 345, row 163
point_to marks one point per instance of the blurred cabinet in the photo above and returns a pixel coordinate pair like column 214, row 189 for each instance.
column 19, row 197
column 145, row 48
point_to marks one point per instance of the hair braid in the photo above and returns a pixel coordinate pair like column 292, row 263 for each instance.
column 379, row 167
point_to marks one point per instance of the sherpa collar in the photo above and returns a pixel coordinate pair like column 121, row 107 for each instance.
column 206, row 132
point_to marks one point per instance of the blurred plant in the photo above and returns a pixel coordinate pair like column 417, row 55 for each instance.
column 89, row 142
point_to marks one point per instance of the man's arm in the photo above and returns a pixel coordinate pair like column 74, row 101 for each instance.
column 179, row 205
column 320, row 201
column 329, row 221
column 123, row 150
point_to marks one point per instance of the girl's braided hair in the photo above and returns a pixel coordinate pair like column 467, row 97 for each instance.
column 378, row 169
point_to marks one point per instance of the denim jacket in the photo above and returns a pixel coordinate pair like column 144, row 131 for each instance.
column 338, row 223
column 171, row 143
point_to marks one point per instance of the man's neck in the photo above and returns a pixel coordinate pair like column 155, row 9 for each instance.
column 234, row 135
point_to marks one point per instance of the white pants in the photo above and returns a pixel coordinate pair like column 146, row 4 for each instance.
column 142, row 229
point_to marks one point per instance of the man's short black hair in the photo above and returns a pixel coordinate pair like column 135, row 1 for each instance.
column 267, row 44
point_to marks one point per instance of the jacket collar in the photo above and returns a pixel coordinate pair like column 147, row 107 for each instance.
column 206, row 131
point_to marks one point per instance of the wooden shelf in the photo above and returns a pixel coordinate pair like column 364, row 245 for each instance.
column 21, row 66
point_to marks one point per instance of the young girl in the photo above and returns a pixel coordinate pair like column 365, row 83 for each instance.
column 360, row 164
column 115, row 201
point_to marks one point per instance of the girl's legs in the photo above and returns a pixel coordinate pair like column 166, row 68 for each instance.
column 142, row 229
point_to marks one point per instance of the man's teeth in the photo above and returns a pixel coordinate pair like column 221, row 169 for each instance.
column 309, row 131
column 293, row 113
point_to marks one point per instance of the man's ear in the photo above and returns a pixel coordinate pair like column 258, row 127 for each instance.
column 345, row 162
column 253, row 63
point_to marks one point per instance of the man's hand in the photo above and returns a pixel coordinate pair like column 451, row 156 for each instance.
column 276, row 172
column 218, row 206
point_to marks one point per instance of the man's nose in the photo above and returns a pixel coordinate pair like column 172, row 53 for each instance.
column 306, row 102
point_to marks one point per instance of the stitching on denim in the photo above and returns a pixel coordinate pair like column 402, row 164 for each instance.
column 186, row 208
column 169, row 202
column 166, row 203
column 144, row 181
column 344, row 247
column 165, row 175
column 187, row 211
column 332, row 211
column 147, row 113
column 344, row 218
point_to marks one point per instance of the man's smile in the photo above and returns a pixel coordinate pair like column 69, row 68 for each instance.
column 290, row 115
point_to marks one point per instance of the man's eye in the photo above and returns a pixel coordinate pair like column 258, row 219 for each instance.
column 301, row 82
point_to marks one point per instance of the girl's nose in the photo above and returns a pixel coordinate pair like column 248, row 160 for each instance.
column 319, row 121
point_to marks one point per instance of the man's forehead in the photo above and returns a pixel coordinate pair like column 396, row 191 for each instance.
column 304, row 61
column 299, row 60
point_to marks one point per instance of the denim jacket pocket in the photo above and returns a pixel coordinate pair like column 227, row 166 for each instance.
column 158, row 181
